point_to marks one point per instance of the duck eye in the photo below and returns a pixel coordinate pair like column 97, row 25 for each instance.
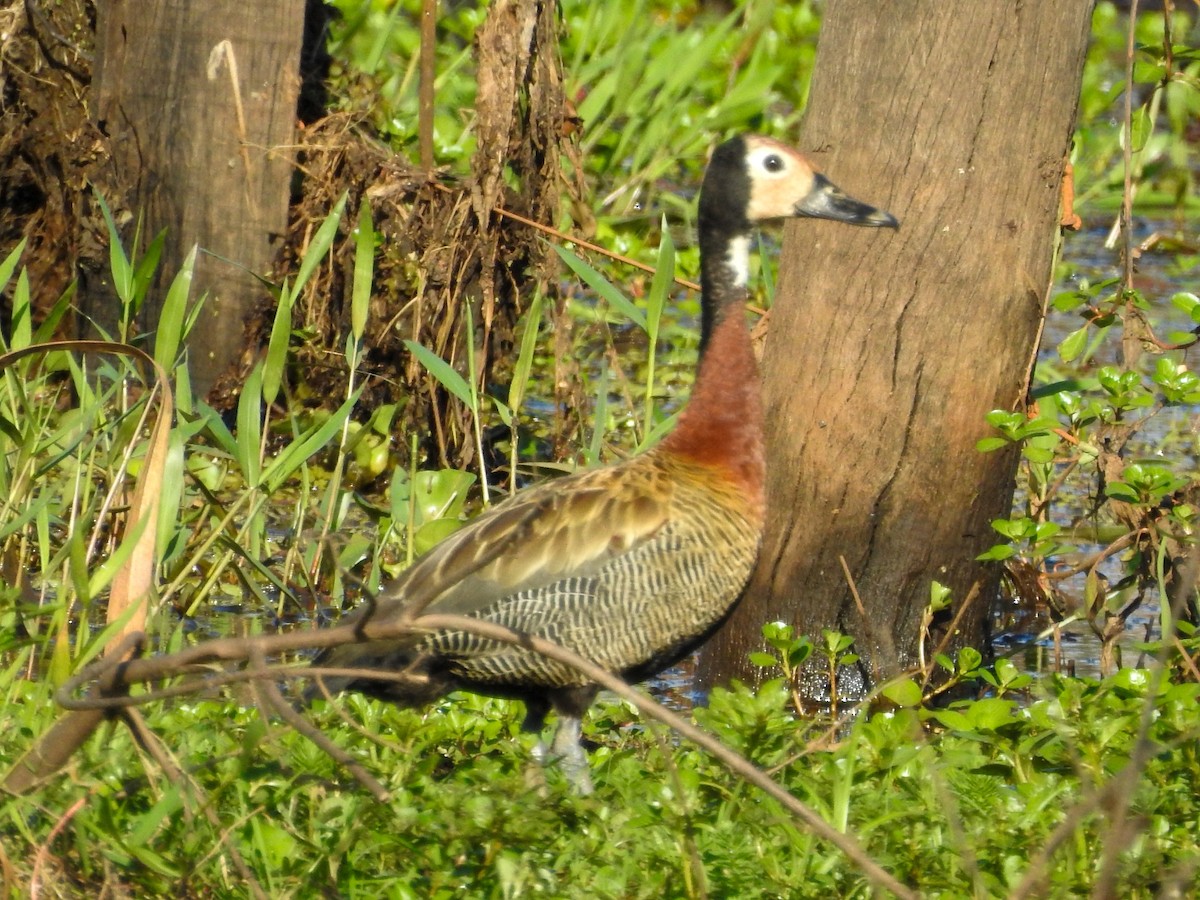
column 773, row 163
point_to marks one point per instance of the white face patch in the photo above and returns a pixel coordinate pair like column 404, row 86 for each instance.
column 779, row 179
column 738, row 259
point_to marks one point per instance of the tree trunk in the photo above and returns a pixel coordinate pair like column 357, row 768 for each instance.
column 199, row 99
column 885, row 351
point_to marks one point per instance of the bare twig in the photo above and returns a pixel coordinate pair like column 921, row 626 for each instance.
column 271, row 698
column 595, row 248
column 35, row 887
column 881, row 638
column 35, row 11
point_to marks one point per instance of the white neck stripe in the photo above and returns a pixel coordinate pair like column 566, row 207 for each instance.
column 737, row 258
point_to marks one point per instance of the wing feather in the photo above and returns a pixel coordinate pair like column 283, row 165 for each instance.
column 572, row 526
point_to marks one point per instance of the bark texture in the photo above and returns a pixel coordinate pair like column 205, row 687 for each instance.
column 885, row 351
column 199, row 102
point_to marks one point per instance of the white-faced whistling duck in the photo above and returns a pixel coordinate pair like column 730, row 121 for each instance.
column 634, row 565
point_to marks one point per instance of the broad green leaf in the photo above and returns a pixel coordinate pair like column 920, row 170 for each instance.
column 1119, row 490
column 991, row 713
column 998, row 553
column 441, row 493
column 988, row 444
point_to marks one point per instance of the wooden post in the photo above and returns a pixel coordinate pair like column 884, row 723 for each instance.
column 199, row 101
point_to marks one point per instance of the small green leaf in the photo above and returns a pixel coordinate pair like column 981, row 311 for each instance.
column 1119, row 490
column 997, row 553
column 991, row 713
column 969, row 659
column 1037, row 454
column 905, row 693
column 1073, row 344
column 988, row 444
column 953, row 719
column 939, row 596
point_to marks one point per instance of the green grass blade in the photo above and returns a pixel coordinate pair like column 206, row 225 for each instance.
column 118, row 262
column 9, row 264
column 599, row 418
column 660, row 290
column 659, row 431
column 277, row 347
column 524, row 363
column 171, row 494
column 101, row 576
column 217, row 430
column 22, row 313
column 301, row 450
column 249, row 427
column 445, row 373
column 61, row 306
column 602, row 286
column 170, row 333
column 364, row 264
column 145, row 267
column 320, row 245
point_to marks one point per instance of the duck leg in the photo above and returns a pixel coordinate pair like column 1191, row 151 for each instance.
column 566, row 749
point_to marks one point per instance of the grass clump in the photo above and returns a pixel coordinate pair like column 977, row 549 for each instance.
column 987, row 798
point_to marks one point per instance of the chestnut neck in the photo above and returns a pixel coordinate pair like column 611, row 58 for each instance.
column 722, row 425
